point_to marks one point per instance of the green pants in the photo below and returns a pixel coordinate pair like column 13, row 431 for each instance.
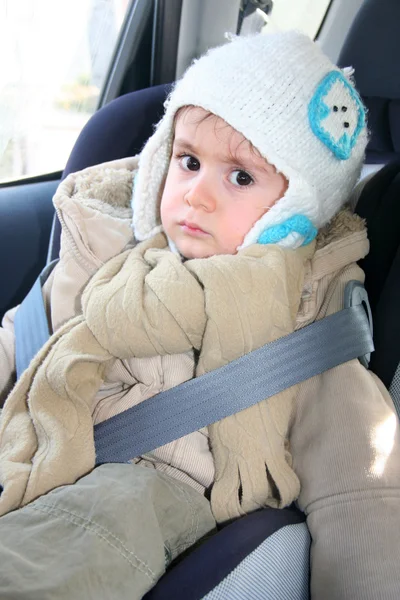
column 111, row 535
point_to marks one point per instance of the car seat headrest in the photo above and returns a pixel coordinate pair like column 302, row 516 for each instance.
column 372, row 47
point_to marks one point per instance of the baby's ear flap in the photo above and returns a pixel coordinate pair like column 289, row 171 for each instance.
column 153, row 167
column 294, row 232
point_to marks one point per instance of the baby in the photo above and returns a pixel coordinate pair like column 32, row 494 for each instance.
column 237, row 211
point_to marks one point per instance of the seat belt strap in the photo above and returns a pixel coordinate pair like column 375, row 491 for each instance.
column 242, row 383
column 30, row 323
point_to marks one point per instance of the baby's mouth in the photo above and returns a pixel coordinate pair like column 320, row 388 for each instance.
column 192, row 228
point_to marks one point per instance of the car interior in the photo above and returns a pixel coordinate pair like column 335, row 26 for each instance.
column 157, row 41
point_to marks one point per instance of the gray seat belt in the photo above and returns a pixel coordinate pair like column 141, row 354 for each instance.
column 250, row 379
column 30, row 323
column 199, row 402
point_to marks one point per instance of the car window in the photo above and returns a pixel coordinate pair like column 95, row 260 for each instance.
column 55, row 59
column 280, row 15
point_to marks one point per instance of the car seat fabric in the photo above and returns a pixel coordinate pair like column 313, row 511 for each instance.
column 379, row 205
column 277, row 569
column 262, row 555
column 395, row 390
column 117, row 130
column 372, row 47
column 26, row 214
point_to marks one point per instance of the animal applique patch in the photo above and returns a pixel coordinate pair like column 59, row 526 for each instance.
column 336, row 114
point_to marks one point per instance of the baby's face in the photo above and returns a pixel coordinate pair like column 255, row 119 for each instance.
column 217, row 186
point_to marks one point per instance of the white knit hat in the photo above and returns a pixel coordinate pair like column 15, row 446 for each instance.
column 300, row 111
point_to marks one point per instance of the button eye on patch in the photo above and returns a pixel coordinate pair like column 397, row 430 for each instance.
column 333, row 97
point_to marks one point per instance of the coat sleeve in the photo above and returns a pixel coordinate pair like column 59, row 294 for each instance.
column 346, row 448
column 93, row 231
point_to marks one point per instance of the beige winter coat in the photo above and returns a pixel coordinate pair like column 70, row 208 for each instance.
column 344, row 435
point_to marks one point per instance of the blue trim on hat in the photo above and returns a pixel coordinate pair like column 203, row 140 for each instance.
column 318, row 111
column 296, row 224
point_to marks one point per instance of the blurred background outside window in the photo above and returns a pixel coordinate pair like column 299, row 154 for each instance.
column 55, row 57
column 280, row 15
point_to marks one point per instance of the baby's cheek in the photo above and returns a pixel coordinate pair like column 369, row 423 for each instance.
column 241, row 223
column 165, row 209
column 231, row 236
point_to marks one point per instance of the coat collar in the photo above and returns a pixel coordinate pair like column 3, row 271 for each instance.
column 343, row 242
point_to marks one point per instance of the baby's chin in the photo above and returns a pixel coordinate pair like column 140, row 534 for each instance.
column 191, row 249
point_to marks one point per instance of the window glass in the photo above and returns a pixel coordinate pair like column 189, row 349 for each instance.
column 303, row 15
column 55, row 56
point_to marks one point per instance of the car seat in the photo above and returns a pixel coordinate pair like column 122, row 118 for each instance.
column 242, row 557
column 372, row 47
column 266, row 550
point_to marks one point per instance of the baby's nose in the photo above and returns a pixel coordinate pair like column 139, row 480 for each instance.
column 201, row 196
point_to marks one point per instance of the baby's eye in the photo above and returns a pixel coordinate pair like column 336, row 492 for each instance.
column 189, row 163
column 240, row 178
